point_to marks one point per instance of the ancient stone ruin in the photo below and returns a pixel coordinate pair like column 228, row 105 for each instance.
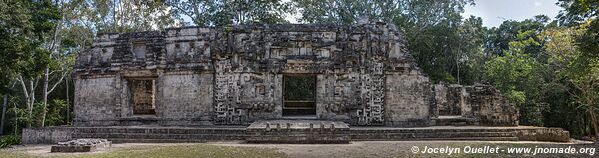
column 81, row 145
column 360, row 74
column 286, row 83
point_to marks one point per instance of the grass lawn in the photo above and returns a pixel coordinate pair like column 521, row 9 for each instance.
column 169, row 151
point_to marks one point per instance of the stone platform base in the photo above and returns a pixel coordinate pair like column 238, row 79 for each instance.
column 519, row 133
column 298, row 131
column 291, row 132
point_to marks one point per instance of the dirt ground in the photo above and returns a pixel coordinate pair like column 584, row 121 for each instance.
column 354, row 149
column 403, row 148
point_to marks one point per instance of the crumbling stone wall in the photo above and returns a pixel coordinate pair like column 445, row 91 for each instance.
column 207, row 76
column 492, row 107
column 480, row 102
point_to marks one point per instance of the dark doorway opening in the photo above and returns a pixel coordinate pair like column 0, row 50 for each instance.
column 142, row 93
column 299, row 95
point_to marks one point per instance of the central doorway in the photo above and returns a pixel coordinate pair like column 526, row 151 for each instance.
column 299, row 95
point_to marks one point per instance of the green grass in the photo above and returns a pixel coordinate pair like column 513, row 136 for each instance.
column 172, row 151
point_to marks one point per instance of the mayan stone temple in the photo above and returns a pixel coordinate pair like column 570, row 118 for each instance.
column 290, row 83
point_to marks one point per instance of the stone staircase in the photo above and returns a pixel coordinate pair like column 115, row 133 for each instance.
column 292, row 131
column 298, row 131
column 125, row 134
column 432, row 133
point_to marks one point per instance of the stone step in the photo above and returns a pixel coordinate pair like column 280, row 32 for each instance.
column 425, row 130
column 454, row 121
column 453, row 138
column 440, row 135
column 476, row 138
column 298, row 132
column 111, row 136
column 156, row 141
column 164, row 130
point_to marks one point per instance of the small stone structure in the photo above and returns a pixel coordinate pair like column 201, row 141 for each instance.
column 360, row 74
column 81, row 145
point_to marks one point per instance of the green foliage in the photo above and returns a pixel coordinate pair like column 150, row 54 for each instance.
column 120, row 15
column 346, row 11
column 55, row 112
column 300, row 88
column 8, row 140
column 573, row 90
column 579, row 12
column 498, row 38
column 54, row 116
column 18, row 118
column 518, row 76
column 23, row 27
column 515, row 75
column 15, row 29
column 230, row 12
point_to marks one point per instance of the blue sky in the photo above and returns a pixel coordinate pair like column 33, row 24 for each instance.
column 494, row 12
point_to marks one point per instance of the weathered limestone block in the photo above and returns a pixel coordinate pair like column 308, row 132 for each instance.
column 96, row 102
column 408, row 100
column 185, row 99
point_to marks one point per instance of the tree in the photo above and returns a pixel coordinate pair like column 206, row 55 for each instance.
column 579, row 12
column 121, row 15
column 230, row 12
column 52, row 41
column 347, row 11
column 498, row 38
column 4, row 106
column 580, row 70
column 582, row 66
column 15, row 30
column 27, row 23
column 471, row 54
column 517, row 75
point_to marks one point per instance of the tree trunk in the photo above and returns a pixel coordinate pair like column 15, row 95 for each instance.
column 30, row 102
column 16, row 125
column 4, row 105
column 45, row 95
column 594, row 123
column 68, row 102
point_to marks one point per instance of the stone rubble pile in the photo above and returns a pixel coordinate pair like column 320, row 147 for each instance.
column 81, row 145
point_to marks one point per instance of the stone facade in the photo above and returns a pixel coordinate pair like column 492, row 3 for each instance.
column 234, row 76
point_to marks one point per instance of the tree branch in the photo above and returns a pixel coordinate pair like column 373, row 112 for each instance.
column 25, row 91
column 58, row 82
